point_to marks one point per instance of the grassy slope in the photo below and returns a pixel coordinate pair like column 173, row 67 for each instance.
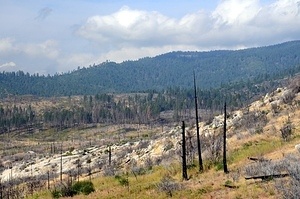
column 211, row 183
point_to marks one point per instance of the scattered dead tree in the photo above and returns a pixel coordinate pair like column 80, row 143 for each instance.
column 224, row 142
column 109, row 156
column 190, row 149
column 184, row 166
column 213, row 146
column 286, row 131
column 197, row 128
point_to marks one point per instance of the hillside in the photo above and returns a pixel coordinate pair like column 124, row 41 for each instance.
column 174, row 69
column 150, row 156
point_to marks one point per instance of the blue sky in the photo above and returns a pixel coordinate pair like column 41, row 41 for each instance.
column 54, row 36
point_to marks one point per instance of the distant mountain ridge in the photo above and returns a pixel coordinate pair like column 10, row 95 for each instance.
column 173, row 69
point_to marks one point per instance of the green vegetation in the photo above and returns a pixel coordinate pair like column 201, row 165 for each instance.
column 174, row 69
column 254, row 149
column 236, row 76
column 82, row 187
column 129, row 123
column 122, row 180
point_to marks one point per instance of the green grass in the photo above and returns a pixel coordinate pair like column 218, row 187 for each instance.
column 140, row 186
column 255, row 149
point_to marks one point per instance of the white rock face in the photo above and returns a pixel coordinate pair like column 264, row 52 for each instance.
column 297, row 147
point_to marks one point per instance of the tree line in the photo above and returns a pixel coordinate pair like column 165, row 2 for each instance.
column 139, row 108
column 174, row 69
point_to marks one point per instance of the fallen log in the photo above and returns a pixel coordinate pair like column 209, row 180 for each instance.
column 258, row 159
column 231, row 186
column 267, row 177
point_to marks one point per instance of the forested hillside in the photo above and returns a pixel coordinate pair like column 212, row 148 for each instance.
column 174, row 69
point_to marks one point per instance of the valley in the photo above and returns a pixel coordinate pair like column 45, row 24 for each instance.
column 139, row 152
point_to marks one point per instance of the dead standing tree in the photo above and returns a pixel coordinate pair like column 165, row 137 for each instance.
column 184, row 167
column 224, row 142
column 197, row 128
column 190, row 152
column 109, row 155
column 61, row 162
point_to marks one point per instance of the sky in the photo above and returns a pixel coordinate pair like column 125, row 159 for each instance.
column 56, row 36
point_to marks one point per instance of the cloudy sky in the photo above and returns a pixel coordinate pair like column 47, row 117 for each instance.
column 49, row 36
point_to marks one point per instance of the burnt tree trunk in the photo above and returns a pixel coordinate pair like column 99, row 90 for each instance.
column 184, row 167
column 224, row 142
column 61, row 164
column 197, row 128
column 109, row 155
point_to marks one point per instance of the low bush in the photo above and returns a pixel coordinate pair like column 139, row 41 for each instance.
column 85, row 187
column 286, row 131
column 168, row 185
column 290, row 187
column 56, row 193
column 82, row 187
column 122, row 180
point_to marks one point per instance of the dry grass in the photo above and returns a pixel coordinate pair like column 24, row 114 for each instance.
column 211, row 183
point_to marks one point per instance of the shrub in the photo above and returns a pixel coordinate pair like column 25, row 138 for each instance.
column 205, row 189
column 85, row 187
column 56, row 193
column 262, row 167
column 290, row 187
column 286, row 131
column 168, row 145
column 109, row 170
column 148, row 163
column 168, row 185
column 228, row 183
column 122, row 180
column 252, row 121
column 68, row 191
column 138, row 170
column 212, row 144
column 288, row 96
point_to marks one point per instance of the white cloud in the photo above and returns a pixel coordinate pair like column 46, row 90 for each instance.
column 130, row 27
column 134, row 53
column 6, row 45
column 8, row 64
column 8, row 67
column 235, row 12
column 280, row 13
column 72, row 61
column 47, row 49
column 232, row 23
column 29, row 57
column 134, row 33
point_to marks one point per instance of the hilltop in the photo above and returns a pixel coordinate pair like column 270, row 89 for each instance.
column 175, row 69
